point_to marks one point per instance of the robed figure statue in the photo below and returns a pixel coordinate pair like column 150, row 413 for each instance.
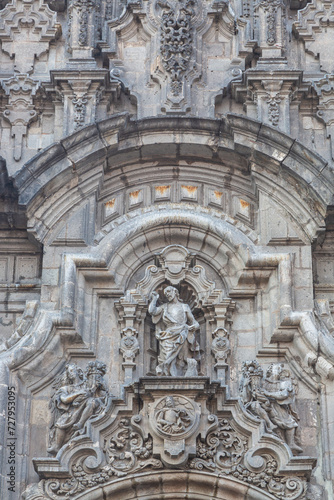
column 175, row 330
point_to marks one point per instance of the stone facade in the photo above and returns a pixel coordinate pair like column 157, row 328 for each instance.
column 166, row 249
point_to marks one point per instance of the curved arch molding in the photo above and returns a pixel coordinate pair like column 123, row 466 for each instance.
column 119, row 149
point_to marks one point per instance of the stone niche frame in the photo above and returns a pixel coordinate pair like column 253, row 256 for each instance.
column 175, row 265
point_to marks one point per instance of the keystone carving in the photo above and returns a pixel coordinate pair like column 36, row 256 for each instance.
column 20, row 110
column 78, row 397
column 23, row 20
column 271, row 398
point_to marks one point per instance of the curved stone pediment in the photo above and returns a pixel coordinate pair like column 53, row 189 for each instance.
column 174, row 428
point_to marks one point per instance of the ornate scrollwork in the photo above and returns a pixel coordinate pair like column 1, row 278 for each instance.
column 176, row 40
column 127, row 450
column 84, row 8
column 271, row 7
column 267, row 478
column 222, row 448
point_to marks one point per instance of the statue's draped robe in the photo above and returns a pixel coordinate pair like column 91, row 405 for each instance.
column 176, row 343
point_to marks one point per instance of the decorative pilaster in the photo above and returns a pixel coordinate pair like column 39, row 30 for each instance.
column 76, row 96
column 325, row 92
column 83, row 29
column 271, row 97
column 20, row 110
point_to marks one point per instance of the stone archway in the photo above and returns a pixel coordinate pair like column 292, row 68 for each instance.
column 176, row 485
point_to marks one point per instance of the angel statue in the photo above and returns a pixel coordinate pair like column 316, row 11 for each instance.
column 271, row 398
column 78, row 397
column 175, row 331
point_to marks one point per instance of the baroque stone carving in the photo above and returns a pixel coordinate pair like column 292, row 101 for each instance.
column 325, row 91
column 222, row 448
column 313, row 26
column 78, row 396
column 176, row 39
column 271, row 398
column 79, row 105
column 84, row 8
column 33, row 18
column 268, row 478
column 175, row 331
column 174, row 415
column 127, row 450
column 271, row 7
column 173, row 430
column 274, row 109
column 20, row 110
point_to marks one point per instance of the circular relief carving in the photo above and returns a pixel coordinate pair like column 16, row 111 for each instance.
column 175, row 417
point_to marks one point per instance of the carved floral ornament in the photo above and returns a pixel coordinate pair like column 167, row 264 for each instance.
column 174, row 430
column 174, row 419
column 176, row 39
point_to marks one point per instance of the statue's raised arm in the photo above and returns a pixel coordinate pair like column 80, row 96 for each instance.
column 175, row 331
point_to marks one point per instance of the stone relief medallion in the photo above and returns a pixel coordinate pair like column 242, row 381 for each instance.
column 175, row 417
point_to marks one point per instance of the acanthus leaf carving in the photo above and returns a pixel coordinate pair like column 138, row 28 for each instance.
column 128, row 450
column 222, row 449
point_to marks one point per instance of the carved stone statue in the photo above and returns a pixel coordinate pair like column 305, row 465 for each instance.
column 175, row 331
column 271, row 399
column 78, row 397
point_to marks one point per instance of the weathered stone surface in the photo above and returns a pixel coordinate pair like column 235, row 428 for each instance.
column 166, row 250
